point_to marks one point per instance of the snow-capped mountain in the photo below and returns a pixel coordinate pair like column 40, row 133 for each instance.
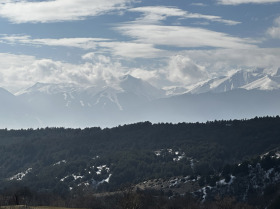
column 129, row 100
column 260, row 79
column 140, row 88
column 49, row 88
column 71, row 95
column 54, row 103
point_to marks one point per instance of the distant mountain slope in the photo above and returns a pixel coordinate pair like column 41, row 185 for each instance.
column 245, row 79
column 70, row 95
column 112, row 107
column 13, row 113
column 141, row 88
column 79, row 106
column 236, row 104
column 244, row 94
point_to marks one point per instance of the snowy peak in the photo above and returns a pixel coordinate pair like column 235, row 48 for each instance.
column 265, row 83
column 175, row 90
column 126, row 83
column 139, row 87
column 49, row 88
column 124, row 92
column 257, row 79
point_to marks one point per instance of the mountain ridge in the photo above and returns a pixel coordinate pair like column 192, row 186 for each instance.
column 240, row 79
column 132, row 100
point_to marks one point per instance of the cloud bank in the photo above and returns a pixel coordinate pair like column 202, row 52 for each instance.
column 122, row 49
column 26, row 70
column 180, row 36
column 57, row 10
column 155, row 14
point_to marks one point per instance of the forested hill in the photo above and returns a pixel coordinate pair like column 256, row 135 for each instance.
column 60, row 159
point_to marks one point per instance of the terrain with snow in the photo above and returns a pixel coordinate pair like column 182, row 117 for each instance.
column 242, row 94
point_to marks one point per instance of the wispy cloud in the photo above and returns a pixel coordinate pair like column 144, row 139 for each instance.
column 57, row 10
column 115, row 48
column 83, row 43
column 199, row 4
column 237, row 2
column 133, row 50
column 155, row 14
column 179, row 36
column 274, row 31
column 145, row 40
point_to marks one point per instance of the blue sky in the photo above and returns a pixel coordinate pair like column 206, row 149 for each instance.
column 168, row 43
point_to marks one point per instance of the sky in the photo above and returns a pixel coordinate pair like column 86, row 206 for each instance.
column 165, row 42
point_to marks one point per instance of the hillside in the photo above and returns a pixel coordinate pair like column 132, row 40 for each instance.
column 61, row 159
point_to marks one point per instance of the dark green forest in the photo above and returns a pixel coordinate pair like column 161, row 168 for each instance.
column 63, row 161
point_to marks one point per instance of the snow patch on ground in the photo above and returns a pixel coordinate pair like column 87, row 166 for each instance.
column 204, row 191
column 157, row 153
column 60, row 162
column 102, row 167
column 223, row 181
column 77, row 177
column 73, row 175
column 178, row 158
column 20, row 176
column 64, row 178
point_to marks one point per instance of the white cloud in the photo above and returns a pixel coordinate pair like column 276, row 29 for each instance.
column 274, row 31
column 155, row 14
column 89, row 56
column 147, row 75
column 20, row 71
column 183, row 70
column 83, row 43
column 123, row 49
column 220, row 61
column 179, row 36
column 132, row 50
column 199, row 4
column 57, row 10
column 237, row 2
column 193, row 66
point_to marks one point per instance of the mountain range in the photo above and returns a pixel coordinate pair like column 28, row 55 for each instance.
column 242, row 94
